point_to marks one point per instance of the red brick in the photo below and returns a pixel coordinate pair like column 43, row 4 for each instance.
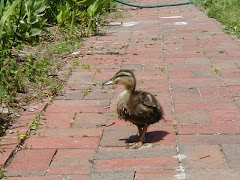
column 89, row 119
column 153, row 54
column 183, row 55
column 214, row 91
column 4, row 156
column 212, row 173
column 197, row 61
column 74, row 106
column 184, row 130
column 233, row 53
column 63, row 109
column 222, row 106
column 193, row 117
column 75, row 109
column 86, row 78
column 63, row 143
column 51, row 177
column 232, row 152
column 72, row 161
column 31, row 162
column 235, row 90
column 176, row 61
column 120, row 136
column 126, row 164
column 210, row 53
column 231, row 81
column 80, row 103
column 154, row 46
column 73, row 153
column 191, row 48
column 202, row 156
column 118, row 123
column 67, row 133
column 225, row 117
column 34, row 178
column 209, row 139
column 156, row 175
column 60, row 120
column 180, row 74
column 185, row 92
column 195, row 82
column 231, row 75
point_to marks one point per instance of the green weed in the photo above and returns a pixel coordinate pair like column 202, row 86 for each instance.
column 76, row 64
column 225, row 11
column 86, row 66
column 35, row 125
column 87, row 91
column 98, row 69
column 216, row 70
column 64, row 47
column 2, row 173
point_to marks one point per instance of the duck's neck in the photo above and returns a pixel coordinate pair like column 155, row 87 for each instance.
column 130, row 87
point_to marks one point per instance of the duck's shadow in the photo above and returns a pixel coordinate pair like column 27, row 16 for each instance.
column 150, row 137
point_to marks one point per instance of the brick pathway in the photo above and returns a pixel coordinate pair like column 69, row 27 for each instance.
column 181, row 56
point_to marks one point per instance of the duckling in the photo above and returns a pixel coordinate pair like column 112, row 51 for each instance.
column 139, row 107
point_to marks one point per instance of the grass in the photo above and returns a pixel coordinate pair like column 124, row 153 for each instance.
column 86, row 91
column 225, row 11
column 64, row 47
column 86, row 66
column 216, row 70
column 76, row 64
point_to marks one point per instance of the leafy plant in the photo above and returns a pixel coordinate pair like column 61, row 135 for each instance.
column 225, row 11
column 35, row 125
column 86, row 91
column 216, row 70
column 64, row 47
column 86, row 66
column 76, row 63
column 2, row 173
column 31, row 19
column 27, row 77
column 98, row 69
column 6, row 33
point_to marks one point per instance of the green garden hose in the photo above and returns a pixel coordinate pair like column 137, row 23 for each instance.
column 165, row 5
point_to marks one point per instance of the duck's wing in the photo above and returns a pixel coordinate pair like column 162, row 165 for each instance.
column 148, row 99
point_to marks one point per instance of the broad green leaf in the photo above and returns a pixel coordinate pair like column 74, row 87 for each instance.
column 41, row 9
column 36, row 5
column 60, row 18
column 86, row 2
column 7, row 14
column 1, row 7
column 95, row 8
column 27, row 35
column 23, row 25
column 35, row 31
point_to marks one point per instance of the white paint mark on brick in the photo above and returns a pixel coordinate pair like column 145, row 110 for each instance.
column 180, row 157
column 180, row 23
column 171, row 17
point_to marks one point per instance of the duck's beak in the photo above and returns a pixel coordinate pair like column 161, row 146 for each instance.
column 111, row 81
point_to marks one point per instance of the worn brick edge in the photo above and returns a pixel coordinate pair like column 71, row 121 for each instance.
column 21, row 126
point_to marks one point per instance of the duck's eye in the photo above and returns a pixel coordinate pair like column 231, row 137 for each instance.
column 122, row 75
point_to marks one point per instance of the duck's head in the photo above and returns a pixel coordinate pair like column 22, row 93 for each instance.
column 124, row 77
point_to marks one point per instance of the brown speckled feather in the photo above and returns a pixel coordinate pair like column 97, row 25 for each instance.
column 141, row 108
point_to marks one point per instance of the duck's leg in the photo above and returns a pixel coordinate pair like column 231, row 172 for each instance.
column 140, row 130
column 141, row 139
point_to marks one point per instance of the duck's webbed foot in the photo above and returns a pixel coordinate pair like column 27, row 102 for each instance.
column 142, row 132
column 135, row 145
